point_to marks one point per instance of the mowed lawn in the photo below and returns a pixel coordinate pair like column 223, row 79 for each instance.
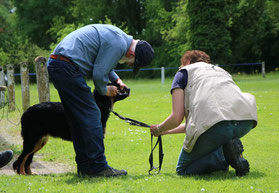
column 128, row 147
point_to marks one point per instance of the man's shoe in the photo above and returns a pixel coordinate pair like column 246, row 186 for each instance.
column 233, row 155
column 109, row 172
column 5, row 157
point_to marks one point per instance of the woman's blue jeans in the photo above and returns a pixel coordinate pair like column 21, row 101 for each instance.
column 207, row 155
column 82, row 113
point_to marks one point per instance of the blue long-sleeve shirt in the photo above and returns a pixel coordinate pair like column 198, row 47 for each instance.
column 96, row 48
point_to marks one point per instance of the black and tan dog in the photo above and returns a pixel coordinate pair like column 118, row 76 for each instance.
column 46, row 119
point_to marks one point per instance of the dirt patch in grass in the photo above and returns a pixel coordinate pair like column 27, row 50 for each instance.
column 10, row 137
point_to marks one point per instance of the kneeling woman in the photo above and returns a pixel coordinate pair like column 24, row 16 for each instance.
column 217, row 115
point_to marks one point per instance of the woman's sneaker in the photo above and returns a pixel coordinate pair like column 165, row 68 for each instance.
column 233, row 155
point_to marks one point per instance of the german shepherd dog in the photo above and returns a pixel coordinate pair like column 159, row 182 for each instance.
column 46, row 119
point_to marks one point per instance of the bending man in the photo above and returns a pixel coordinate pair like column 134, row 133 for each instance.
column 92, row 50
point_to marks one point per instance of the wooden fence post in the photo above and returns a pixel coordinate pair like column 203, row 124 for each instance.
column 2, row 83
column 11, row 87
column 42, row 79
column 25, row 91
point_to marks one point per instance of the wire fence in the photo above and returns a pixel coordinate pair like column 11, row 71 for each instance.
column 163, row 69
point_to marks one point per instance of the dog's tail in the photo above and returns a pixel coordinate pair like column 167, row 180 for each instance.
column 26, row 121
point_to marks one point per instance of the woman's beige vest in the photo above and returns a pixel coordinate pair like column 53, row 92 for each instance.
column 212, row 96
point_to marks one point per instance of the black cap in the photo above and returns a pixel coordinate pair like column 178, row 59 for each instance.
column 143, row 55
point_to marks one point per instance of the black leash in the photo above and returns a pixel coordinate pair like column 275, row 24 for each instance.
column 159, row 141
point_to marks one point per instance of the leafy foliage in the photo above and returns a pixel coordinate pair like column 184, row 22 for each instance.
column 156, row 31
column 208, row 28
column 269, row 41
column 230, row 31
column 5, row 30
column 247, row 30
column 3, row 57
column 129, row 12
column 35, row 16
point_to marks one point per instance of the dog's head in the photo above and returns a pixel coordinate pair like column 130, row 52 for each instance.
column 107, row 101
column 121, row 94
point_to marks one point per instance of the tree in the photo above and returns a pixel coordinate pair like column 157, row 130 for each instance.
column 3, row 57
column 269, row 41
column 209, row 27
column 177, row 34
column 230, row 31
column 35, row 17
column 130, row 12
column 14, row 47
column 159, row 22
column 7, row 30
column 5, row 22
column 246, row 31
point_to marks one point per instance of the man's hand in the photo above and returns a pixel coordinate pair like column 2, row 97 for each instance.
column 111, row 91
column 121, row 84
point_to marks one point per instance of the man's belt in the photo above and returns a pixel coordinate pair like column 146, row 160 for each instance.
column 59, row 57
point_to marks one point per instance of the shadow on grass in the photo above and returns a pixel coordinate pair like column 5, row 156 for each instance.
column 73, row 178
column 221, row 176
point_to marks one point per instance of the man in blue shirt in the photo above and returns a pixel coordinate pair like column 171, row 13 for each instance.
column 92, row 50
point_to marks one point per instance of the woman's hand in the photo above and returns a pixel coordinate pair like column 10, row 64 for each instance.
column 155, row 130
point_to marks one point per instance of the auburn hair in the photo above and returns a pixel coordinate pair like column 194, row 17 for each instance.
column 194, row 56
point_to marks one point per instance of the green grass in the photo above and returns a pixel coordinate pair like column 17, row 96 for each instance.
column 128, row 147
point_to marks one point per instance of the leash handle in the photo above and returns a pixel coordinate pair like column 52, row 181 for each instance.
column 161, row 155
column 159, row 141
